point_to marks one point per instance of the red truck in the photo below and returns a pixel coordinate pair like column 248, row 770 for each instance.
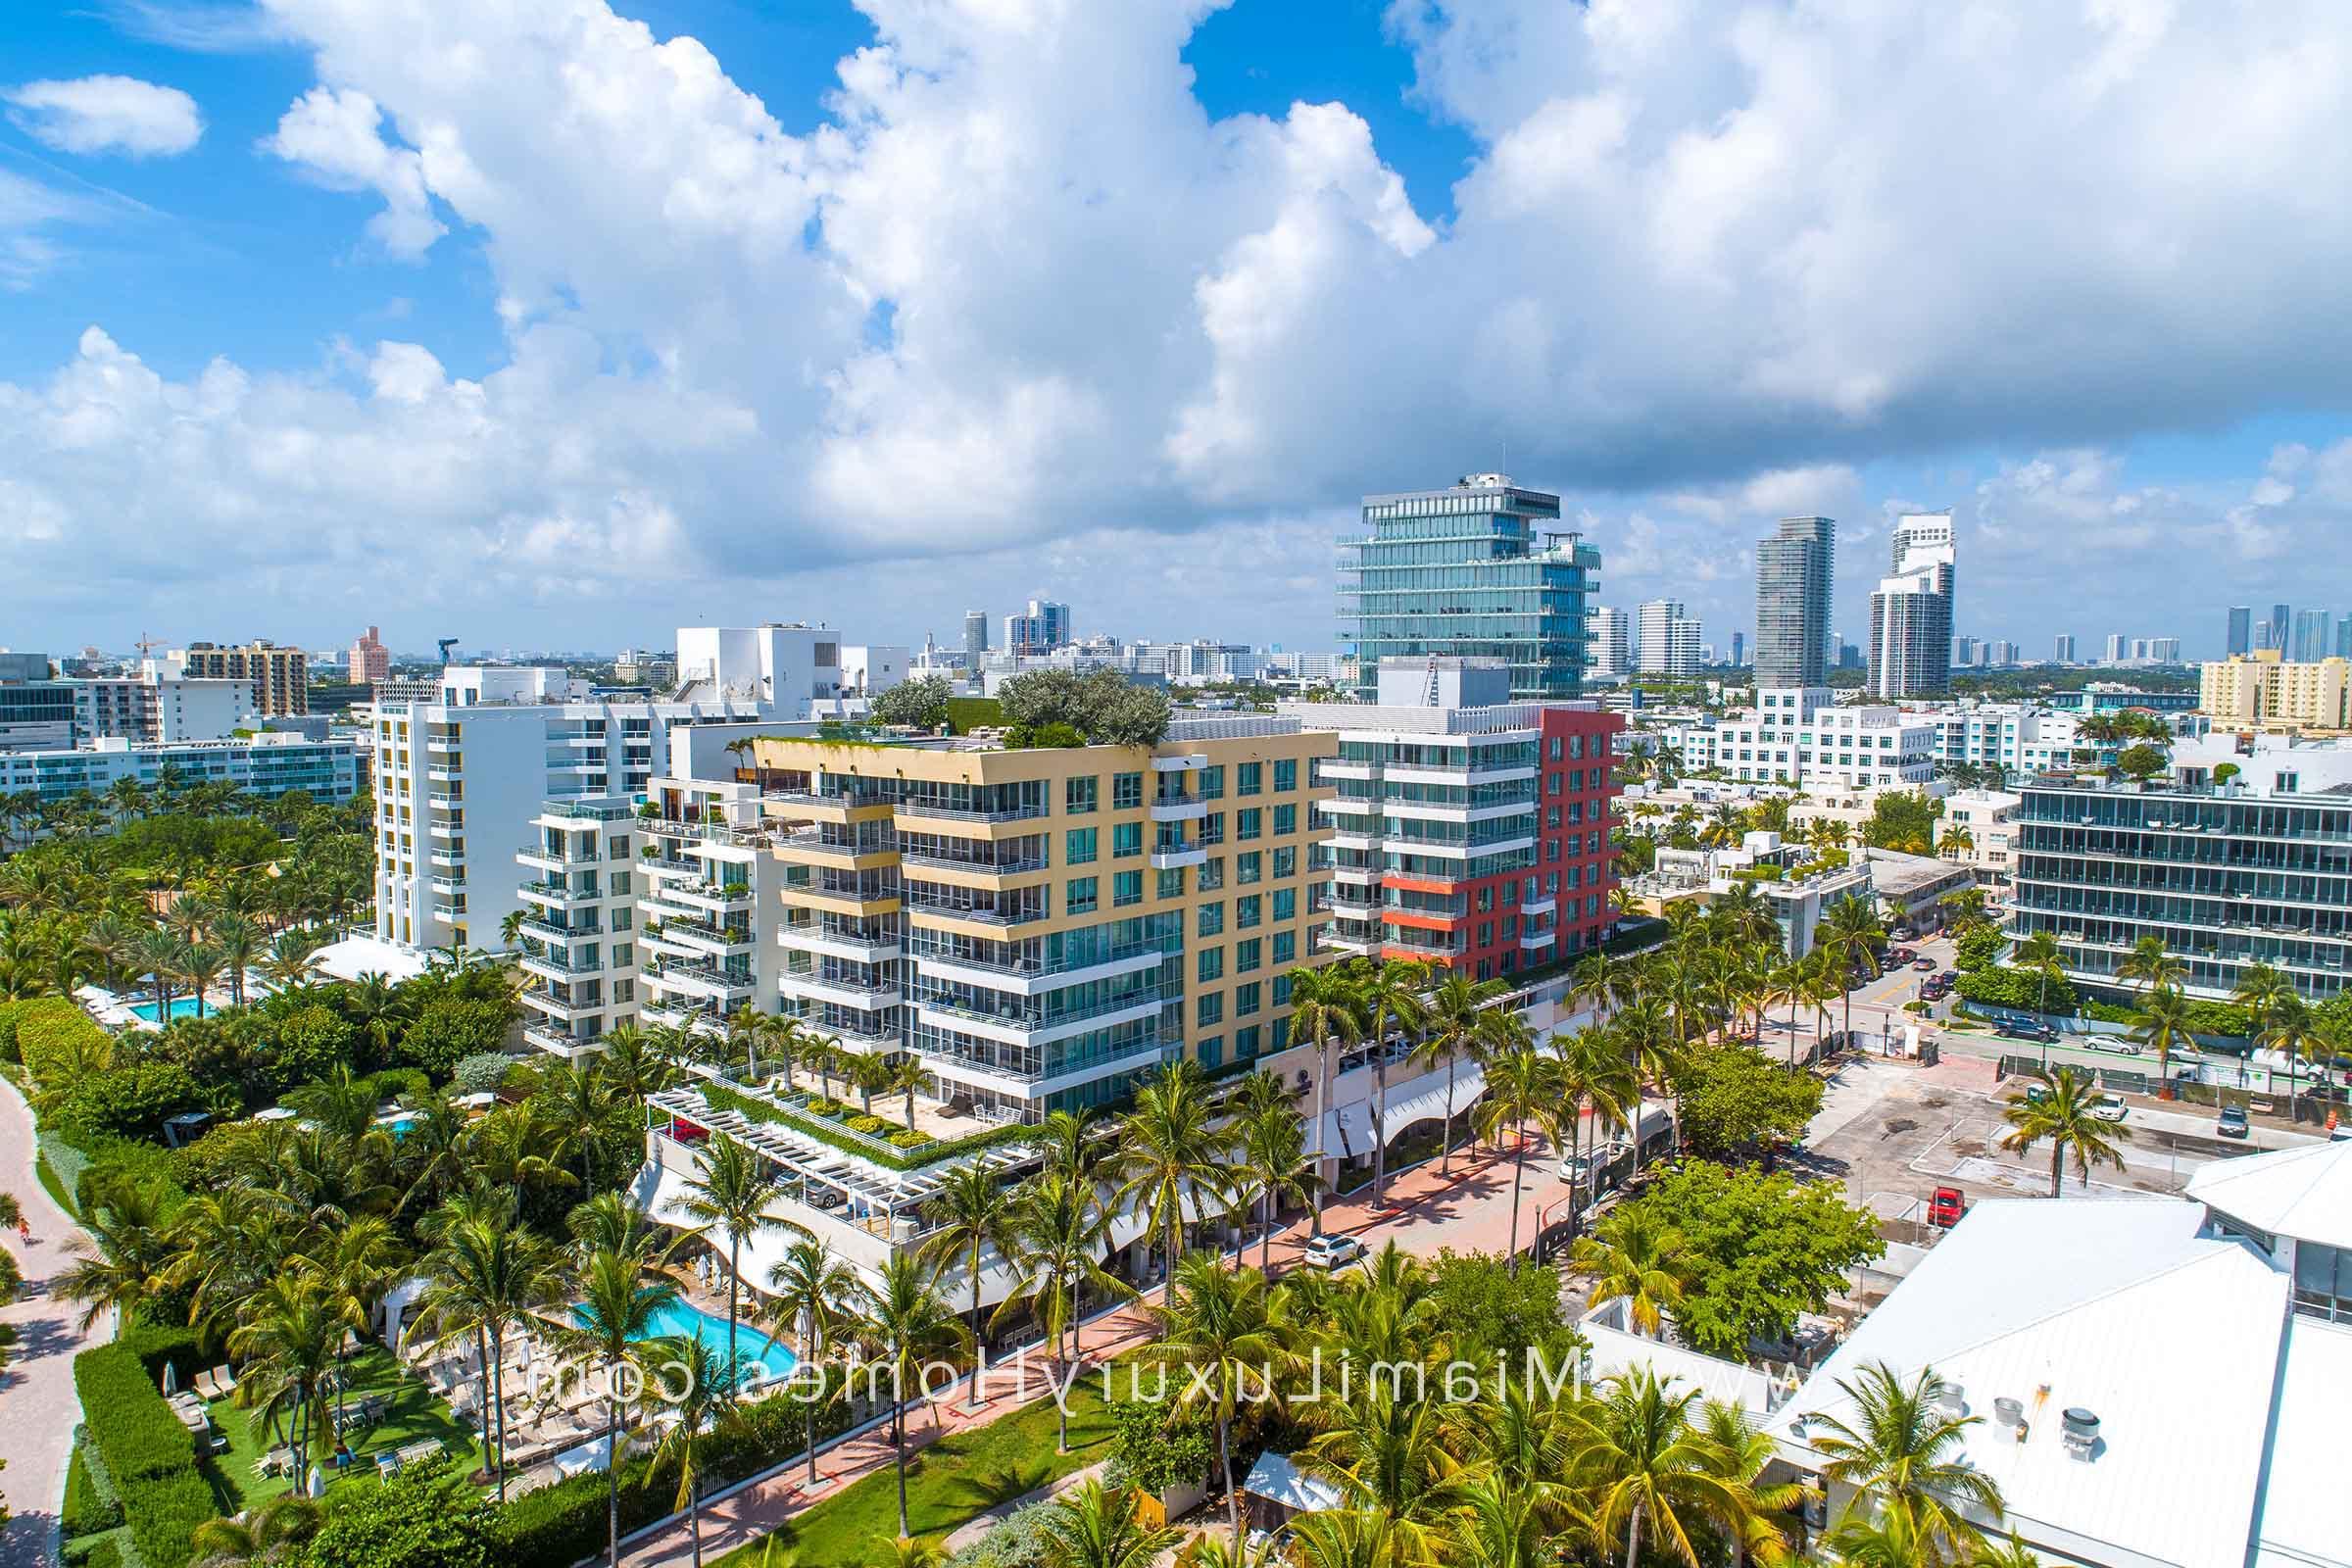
column 1946, row 1206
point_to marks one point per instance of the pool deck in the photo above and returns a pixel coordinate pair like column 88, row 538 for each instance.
column 113, row 1008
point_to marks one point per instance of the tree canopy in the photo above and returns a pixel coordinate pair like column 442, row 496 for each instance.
column 1102, row 706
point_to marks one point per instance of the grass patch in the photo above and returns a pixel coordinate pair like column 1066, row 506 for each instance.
column 949, row 1483
column 413, row 1413
column 55, row 1188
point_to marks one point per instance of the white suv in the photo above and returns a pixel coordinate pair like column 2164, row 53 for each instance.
column 1330, row 1251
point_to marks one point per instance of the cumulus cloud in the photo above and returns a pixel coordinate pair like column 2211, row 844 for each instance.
column 106, row 115
column 1712, row 261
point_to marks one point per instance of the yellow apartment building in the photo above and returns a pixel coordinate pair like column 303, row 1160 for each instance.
column 2262, row 691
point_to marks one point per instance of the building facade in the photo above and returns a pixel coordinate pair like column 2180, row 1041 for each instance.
column 1803, row 737
column 576, row 938
column 1043, row 627
column 1794, row 577
column 266, row 765
column 1481, row 569
column 280, row 677
column 1665, row 640
column 2239, row 637
column 975, row 638
column 1468, row 831
column 2254, row 870
column 1989, row 818
column 1911, row 613
column 370, row 661
column 2262, row 691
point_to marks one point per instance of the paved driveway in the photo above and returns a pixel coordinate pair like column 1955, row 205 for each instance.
column 37, row 1388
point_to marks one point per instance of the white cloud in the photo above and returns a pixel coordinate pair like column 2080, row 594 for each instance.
column 106, row 115
column 1713, row 261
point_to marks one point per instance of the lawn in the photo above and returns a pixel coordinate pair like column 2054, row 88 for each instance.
column 949, row 1483
column 413, row 1413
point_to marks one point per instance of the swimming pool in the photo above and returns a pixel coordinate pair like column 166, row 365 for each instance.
column 182, row 1008
column 753, row 1349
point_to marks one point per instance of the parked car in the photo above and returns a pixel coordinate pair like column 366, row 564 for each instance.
column 1904, row 933
column 1902, row 956
column 2110, row 1108
column 1332, row 1251
column 1923, row 964
column 2024, row 1029
column 2232, row 1122
column 1949, row 977
column 2114, row 1042
column 1945, row 1207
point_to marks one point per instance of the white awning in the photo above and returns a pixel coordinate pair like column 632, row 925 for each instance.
column 1348, row 1130
column 1278, row 1481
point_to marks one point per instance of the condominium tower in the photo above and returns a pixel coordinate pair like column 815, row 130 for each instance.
column 975, row 638
column 1665, row 640
column 2310, row 643
column 1911, row 613
column 1481, row 569
column 2241, row 639
column 1793, row 568
column 280, row 677
column 1609, row 650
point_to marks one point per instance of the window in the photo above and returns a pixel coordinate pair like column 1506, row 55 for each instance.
column 1078, row 896
column 1078, row 847
column 622, row 919
column 1249, row 824
column 1286, row 904
column 1213, row 873
column 1126, row 838
column 619, row 882
column 1078, row 795
column 1286, row 862
column 1248, row 778
column 1209, row 1010
column 1126, row 888
column 1286, row 950
column 1210, row 922
column 623, row 955
column 1212, row 1050
column 1209, row 965
column 1247, row 998
column 1126, row 791
column 1249, row 866
column 1245, row 1042
column 1170, row 883
column 1282, row 990
column 1247, row 956
column 1286, row 775
column 1285, row 819
column 1557, row 742
column 1485, row 933
column 1551, row 784
column 1212, row 783
column 1551, row 816
column 1486, row 899
column 1245, row 911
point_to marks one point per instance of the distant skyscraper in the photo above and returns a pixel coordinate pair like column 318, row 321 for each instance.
column 2281, row 624
column 1666, row 640
column 1739, row 649
column 2344, row 636
column 1964, row 652
column 975, row 637
column 370, row 659
column 2165, row 650
column 2066, row 648
column 1483, row 570
column 2241, row 630
column 1045, row 627
column 2311, row 637
column 1609, row 650
column 2118, row 648
column 1911, row 613
column 1793, row 603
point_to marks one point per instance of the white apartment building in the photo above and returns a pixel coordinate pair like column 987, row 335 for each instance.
column 1988, row 818
column 709, row 870
column 461, row 776
column 267, row 765
column 1666, row 640
column 1609, row 648
column 1911, row 613
column 576, row 940
column 869, row 669
column 1798, row 735
column 160, row 704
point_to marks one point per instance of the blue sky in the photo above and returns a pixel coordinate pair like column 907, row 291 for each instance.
column 1125, row 305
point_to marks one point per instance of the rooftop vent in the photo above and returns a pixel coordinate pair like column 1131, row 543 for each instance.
column 2079, row 1430
column 1952, row 1400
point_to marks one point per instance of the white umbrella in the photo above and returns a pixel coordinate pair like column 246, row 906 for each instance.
column 171, row 1379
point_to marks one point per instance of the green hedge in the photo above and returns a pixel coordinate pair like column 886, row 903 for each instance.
column 834, row 1135
column 164, row 1513
column 128, row 1421
column 161, row 1345
column 2221, row 1019
column 46, row 1028
column 93, row 1504
column 1999, row 986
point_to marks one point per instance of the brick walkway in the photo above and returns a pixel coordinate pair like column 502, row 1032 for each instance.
column 36, row 1387
column 1469, row 1212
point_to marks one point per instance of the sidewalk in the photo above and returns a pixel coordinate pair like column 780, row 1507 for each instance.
column 1468, row 1213
column 37, row 1384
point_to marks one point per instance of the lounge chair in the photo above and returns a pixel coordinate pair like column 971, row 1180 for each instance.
column 224, row 1380
column 206, row 1384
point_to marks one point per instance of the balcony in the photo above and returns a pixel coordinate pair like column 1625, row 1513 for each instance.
column 1168, row 860
column 568, row 1010
column 716, row 941
column 557, row 857
column 950, row 813
column 1024, row 1030
column 444, row 746
column 863, row 996
column 563, row 814
column 560, row 1042
column 560, row 895
column 446, row 884
column 445, row 800
column 560, row 965
column 813, row 848
column 448, row 830
column 993, row 919
column 704, row 980
column 867, row 1037
column 812, row 937
column 1034, row 1083
column 446, row 775
column 548, row 930
column 679, row 1016
column 1033, row 979
column 453, row 855
column 1191, row 809
column 1547, row 905
column 970, row 872
column 719, row 898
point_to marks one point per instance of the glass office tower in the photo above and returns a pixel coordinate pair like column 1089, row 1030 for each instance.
column 1480, row 570
column 1794, row 573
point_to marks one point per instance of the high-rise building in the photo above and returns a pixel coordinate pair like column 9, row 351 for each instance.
column 2281, row 627
column 1610, row 650
column 2310, row 644
column 1965, row 653
column 1481, row 569
column 975, row 638
column 280, row 677
column 1740, row 650
column 1666, row 640
column 1506, row 869
column 2262, row 691
column 2344, row 636
column 1793, row 603
column 1911, row 613
column 2065, row 653
column 2002, row 654
column 2164, row 650
column 1045, row 627
column 2118, row 648
column 370, row 659
column 2241, row 630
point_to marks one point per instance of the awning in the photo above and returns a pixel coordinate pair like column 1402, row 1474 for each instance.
column 1349, row 1129
column 587, row 1456
column 1278, row 1481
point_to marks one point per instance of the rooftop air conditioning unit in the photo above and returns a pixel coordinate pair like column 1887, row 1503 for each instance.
column 2079, row 1430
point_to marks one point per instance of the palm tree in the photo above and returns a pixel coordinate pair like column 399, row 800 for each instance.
column 1901, row 1448
column 2038, row 954
column 1594, row 1074
column 356, row 1266
column 1095, row 1528
column 1388, row 1454
column 1324, row 1009
column 574, row 1103
column 811, row 1292
column 126, row 1261
column 1171, row 1152
column 1452, row 1021
column 2067, row 1115
column 1851, row 930
column 200, row 966
column 159, row 953
column 1061, row 1233
column 2296, row 1032
column 788, row 1042
column 730, row 1190
column 1523, row 1084
column 906, row 1077
column 691, row 1382
column 1652, row 1472
column 618, row 1304
column 2149, row 962
column 1071, row 1151
column 973, row 1210
column 1274, row 1163
column 2260, row 990
column 905, row 1324
column 1393, row 993
column 1347, row 1538
column 2161, row 1023
column 287, row 1338
column 488, row 1275
column 1634, row 1256
column 632, row 1067
column 286, row 1520
column 1216, row 1323
column 237, row 939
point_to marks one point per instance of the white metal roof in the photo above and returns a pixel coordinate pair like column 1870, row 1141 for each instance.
column 2304, row 1193
column 2112, row 1307
column 2303, row 1520
column 1277, row 1479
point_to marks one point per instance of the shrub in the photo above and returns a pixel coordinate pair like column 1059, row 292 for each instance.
column 56, row 1039
column 904, row 1139
column 482, row 1072
column 132, row 1102
column 104, row 1552
column 306, row 1045
column 134, row 1430
column 92, row 1502
column 1977, row 947
column 424, row 1517
column 1996, row 985
column 161, row 1345
column 449, row 1030
column 1017, row 1540
column 866, row 1124
column 164, row 1513
column 394, row 1082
